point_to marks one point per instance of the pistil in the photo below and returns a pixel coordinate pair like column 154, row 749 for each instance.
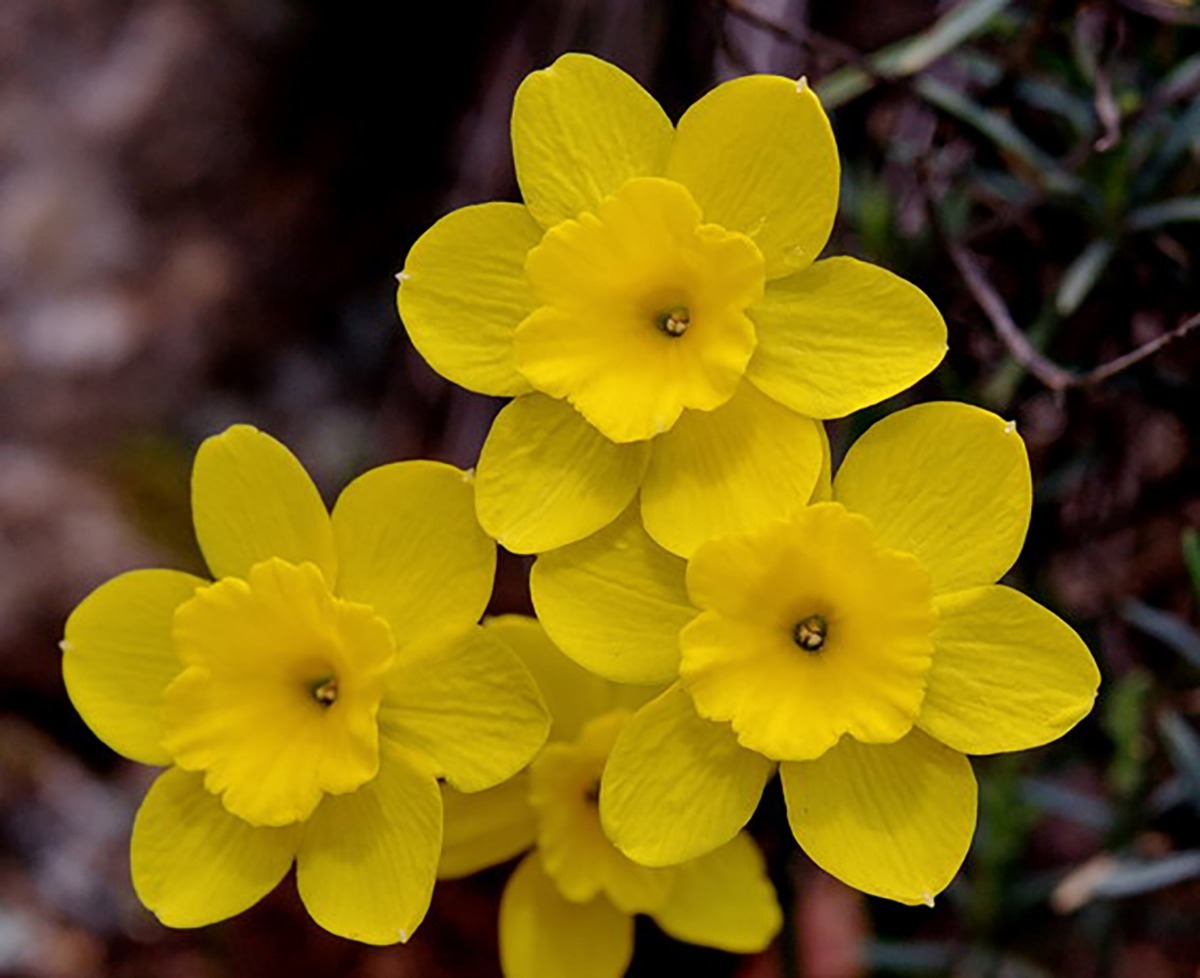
column 674, row 321
column 325, row 691
column 810, row 633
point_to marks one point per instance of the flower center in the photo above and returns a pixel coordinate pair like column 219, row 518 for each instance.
column 644, row 256
column 674, row 322
column 246, row 710
column 325, row 691
column 809, row 634
column 769, row 593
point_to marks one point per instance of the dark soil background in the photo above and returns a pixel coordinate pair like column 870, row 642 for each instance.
column 203, row 203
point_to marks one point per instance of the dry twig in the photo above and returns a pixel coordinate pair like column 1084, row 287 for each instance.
column 1047, row 371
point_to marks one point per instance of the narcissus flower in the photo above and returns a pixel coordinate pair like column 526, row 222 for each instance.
column 657, row 311
column 860, row 646
column 305, row 702
column 568, row 908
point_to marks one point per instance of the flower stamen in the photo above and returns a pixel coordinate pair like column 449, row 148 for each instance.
column 810, row 633
column 325, row 691
column 674, row 321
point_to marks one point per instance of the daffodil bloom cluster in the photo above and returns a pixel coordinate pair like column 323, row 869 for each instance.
column 575, row 889
column 657, row 312
column 306, row 702
column 861, row 647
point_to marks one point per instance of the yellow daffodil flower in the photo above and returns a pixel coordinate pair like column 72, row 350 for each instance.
column 568, row 908
column 861, row 646
column 657, row 312
column 306, row 701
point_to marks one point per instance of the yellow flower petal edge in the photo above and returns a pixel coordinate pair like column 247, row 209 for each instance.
column 666, row 758
column 463, row 699
column 573, row 696
column 194, row 863
column 547, row 478
column 252, row 500
column 823, row 490
column 409, row 546
column 723, row 900
column 615, row 602
column 485, row 828
column 118, row 658
column 463, row 291
column 894, row 820
column 542, row 933
column 758, row 155
column 580, row 129
column 1007, row 673
column 842, row 335
column 946, row 482
column 729, row 471
column 368, row 860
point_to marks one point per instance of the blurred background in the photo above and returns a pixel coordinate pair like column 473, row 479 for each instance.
column 202, row 207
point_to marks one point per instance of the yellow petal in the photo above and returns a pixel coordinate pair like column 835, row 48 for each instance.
column 1007, row 673
column 743, row 659
column 644, row 311
column 573, row 695
column 894, row 820
column 194, row 863
column 823, row 490
column 547, row 478
column 947, row 482
column 633, row 698
column 461, row 698
column 758, row 155
column 252, row 500
column 729, row 471
column 544, row 935
column 463, row 291
column 842, row 335
column 580, row 129
column 723, row 900
column 666, row 760
column 118, row 658
column 368, row 860
column 409, row 546
column 615, row 602
column 485, row 828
